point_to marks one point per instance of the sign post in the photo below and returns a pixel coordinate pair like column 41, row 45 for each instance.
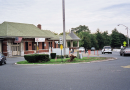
column 61, row 47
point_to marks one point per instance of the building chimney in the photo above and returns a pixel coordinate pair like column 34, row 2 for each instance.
column 39, row 26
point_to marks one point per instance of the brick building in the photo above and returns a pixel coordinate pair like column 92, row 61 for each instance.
column 20, row 39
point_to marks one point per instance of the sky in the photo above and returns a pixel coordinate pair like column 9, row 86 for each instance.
column 104, row 15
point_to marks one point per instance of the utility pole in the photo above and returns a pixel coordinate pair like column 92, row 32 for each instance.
column 64, row 36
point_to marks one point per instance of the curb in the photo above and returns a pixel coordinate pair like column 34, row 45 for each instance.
column 72, row 63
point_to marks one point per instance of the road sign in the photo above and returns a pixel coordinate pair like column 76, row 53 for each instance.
column 61, row 46
column 60, row 40
column 124, row 43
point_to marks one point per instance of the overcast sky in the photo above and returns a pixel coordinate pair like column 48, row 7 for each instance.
column 96, row 14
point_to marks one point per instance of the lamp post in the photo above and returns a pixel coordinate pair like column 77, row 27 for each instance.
column 127, row 32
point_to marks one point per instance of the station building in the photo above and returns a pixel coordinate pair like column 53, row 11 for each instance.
column 19, row 39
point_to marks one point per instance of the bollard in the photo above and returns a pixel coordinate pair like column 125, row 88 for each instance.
column 89, row 52
column 97, row 52
column 94, row 52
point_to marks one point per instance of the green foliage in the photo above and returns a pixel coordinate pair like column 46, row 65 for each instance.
column 94, row 42
column 117, row 38
column 85, row 39
column 53, row 55
column 81, row 28
column 37, row 57
column 99, row 39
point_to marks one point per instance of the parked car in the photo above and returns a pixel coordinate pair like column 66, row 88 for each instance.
column 92, row 48
column 107, row 49
column 125, row 51
column 81, row 49
column 2, row 59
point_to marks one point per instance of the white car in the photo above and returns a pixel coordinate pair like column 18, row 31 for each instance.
column 107, row 49
column 81, row 49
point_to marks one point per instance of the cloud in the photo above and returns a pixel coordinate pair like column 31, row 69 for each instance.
column 102, row 14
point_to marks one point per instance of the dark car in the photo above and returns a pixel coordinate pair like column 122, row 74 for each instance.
column 2, row 59
column 125, row 51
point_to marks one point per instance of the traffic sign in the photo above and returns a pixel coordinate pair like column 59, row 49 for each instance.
column 124, row 43
column 60, row 40
column 61, row 46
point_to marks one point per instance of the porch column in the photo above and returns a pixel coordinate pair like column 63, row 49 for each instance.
column 71, row 43
column 22, row 48
column 9, row 51
column 77, row 43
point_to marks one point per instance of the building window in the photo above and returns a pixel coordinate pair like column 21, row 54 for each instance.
column 50, row 44
column 42, row 45
column 26, row 45
column 33, row 45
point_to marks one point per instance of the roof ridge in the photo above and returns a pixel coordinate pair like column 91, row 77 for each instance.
column 17, row 23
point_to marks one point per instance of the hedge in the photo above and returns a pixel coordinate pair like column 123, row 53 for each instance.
column 37, row 57
column 53, row 55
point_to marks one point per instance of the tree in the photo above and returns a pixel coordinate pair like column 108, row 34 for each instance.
column 100, row 39
column 94, row 42
column 85, row 40
column 122, row 38
column 115, row 36
column 106, row 38
column 81, row 28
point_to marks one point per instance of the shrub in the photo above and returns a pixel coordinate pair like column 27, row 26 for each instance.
column 53, row 55
column 30, row 58
column 37, row 57
column 44, row 57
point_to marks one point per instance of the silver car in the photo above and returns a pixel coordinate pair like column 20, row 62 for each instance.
column 107, row 49
column 93, row 49
column 82, row 49
column 125, row 51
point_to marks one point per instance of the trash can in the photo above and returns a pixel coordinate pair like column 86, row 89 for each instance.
column 80, row 56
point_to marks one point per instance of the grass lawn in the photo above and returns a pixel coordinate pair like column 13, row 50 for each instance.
column 65, row 61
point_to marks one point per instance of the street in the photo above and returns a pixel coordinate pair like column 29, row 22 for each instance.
column 105, row 75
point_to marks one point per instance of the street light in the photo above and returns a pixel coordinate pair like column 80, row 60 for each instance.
column 127, row 32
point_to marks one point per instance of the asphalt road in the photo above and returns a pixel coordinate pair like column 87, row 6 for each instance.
column 105, row 75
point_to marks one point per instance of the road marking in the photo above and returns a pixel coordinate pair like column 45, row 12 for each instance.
column 128, row 66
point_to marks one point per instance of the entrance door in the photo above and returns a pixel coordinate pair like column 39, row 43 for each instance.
column 15, row 50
